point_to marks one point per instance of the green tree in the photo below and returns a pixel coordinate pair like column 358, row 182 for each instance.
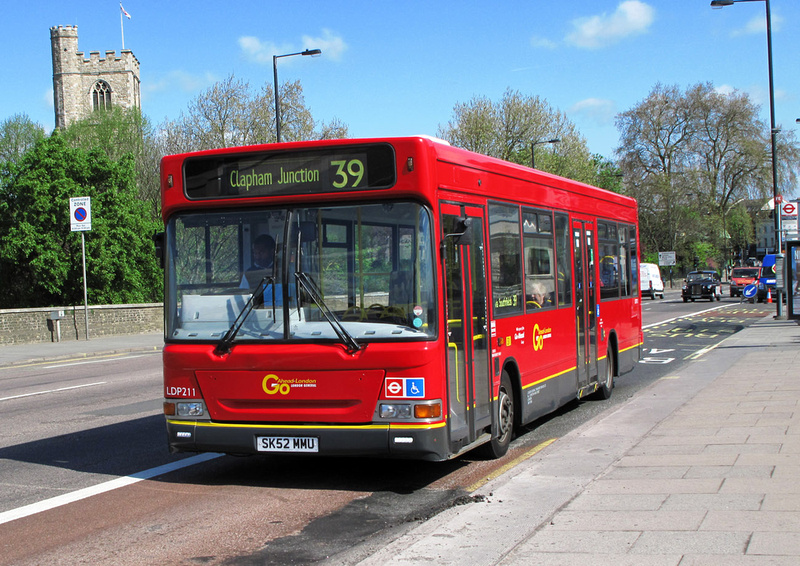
column 506, row 129
column 40, row 258
column 689, row 158
column 17, row 135
column 119, row 132
column 229, row 114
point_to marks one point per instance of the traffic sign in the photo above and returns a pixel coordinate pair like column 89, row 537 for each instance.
column 789, row 209
column 750, row 291
column 80, row 214
column 666, row 258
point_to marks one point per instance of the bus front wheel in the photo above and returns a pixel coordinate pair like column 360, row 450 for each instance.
column 504, row 429
column 607, row 386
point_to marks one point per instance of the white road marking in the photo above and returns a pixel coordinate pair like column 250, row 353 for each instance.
column 52, row 391
column 686, row 316
column 94, row 361
column 60, row 500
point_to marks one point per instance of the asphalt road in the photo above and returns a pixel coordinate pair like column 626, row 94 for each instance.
column 72, row 426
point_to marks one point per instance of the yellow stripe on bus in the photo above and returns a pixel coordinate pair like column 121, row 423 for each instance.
column 632, row 347
column 285, row 426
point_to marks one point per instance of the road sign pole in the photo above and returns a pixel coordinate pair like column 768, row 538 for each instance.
column 80, row 213
column 85, row 296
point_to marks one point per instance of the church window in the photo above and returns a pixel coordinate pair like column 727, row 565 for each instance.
column 101, row 96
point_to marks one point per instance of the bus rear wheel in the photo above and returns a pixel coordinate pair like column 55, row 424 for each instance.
column 501, row 435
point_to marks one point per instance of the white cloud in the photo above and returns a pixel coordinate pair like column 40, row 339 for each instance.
column 758, row 94
column 758, row 25
column 631, row 17
column 261, row 52
column 724, row 90
column 543, row 43
column 332, row 46
column 600, row 111
column 179, row 81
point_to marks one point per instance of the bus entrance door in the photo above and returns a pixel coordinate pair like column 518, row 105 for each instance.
column 469, row 382
column 585, row 300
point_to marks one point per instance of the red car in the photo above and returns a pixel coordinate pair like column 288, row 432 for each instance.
column 741, row 277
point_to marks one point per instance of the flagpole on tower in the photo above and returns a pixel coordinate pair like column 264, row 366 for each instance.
column 122, row 12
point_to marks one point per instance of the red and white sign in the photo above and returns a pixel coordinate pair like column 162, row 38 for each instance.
column 405, row 387
column 394, row 387
column 789, row 218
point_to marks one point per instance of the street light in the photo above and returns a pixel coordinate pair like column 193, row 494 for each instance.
column 773, row 131
column 277, row 98
column 534, row 144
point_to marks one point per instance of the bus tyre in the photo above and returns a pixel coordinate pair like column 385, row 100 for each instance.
column 501, row 436
column 607, row 385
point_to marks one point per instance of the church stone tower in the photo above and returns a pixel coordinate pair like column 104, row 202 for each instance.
column 81, row 86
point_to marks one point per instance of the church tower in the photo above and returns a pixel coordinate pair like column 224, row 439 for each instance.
column 82, row 86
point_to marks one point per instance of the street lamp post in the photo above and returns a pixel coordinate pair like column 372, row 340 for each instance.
column 277, row 98
column 773, row 132
column 534, row 144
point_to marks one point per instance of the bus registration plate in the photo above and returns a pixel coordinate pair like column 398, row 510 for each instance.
column 287, row 444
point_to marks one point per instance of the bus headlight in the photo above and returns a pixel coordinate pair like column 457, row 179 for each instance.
column 190, row 409
column 409, row 411
column 395, row 411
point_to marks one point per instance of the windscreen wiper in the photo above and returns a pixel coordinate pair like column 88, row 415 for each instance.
column 224, row 345
column 311, row 288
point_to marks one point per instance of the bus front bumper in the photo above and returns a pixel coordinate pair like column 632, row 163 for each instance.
column 419, row 441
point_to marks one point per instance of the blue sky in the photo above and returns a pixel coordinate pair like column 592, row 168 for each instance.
column 398, row 68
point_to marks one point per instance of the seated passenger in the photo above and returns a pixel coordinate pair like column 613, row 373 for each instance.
column 539, row 297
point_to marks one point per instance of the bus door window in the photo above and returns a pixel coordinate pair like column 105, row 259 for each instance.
column 585, row 300
column 469, row 383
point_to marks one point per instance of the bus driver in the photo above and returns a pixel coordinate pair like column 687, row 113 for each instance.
column 263, row 256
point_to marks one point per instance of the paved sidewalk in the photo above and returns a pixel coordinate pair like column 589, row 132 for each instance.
column 16, row 354
column 701, row 468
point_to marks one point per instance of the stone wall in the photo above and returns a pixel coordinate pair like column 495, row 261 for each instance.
column 26, row 326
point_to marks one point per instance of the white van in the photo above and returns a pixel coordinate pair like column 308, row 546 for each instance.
column 650, row 281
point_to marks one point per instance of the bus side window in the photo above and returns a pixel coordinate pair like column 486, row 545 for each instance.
column 540, row 286
column 563, row 260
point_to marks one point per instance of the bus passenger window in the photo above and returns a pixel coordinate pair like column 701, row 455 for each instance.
column 505, row 264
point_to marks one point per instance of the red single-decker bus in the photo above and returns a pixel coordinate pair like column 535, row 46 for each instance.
column 396, row 297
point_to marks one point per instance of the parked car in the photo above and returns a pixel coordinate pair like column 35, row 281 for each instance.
column 741, row 277
column 702, row 285
column 651, row 284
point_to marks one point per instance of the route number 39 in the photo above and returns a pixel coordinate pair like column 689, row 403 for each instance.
column 348, row 173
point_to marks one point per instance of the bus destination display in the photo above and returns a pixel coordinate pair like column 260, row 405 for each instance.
column 288, row 173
